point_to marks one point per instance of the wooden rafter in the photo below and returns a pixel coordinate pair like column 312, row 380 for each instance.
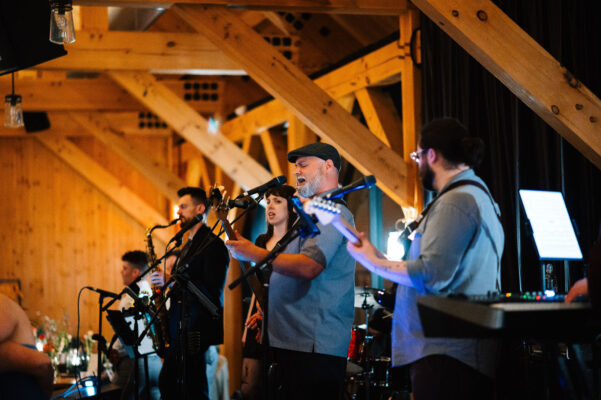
column 193, row 127
column 522, row 65
column 166, row 181
column 411, row 92
column 381, row 117
column 104, row 181
column 275, row 151
column 375, row 7
column 146, row 51
column 102, row 94
column 380, row 65
column 312, row 105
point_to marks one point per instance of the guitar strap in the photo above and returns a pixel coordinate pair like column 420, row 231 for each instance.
column 409, row 229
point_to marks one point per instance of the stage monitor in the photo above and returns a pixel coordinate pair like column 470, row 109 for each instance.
column 552, row 228
column 24, row 32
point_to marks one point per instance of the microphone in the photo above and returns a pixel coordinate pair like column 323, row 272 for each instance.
column 308, row 228
column 363, row 183
column 104, row 293
column 179, row 235
column 280, row 180
column 245, row 203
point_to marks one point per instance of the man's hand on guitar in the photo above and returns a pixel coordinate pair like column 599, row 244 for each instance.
column 255, row 321
column 364, row 252
column 243, row 249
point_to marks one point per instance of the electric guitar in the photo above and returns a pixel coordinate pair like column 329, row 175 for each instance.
column 257, row 287
column 327, row 212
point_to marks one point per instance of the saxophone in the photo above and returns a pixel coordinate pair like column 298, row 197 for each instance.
column 159, row 331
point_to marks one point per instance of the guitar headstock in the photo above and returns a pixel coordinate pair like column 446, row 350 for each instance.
column 326, row 211
column 216, row 196
column 221, row 210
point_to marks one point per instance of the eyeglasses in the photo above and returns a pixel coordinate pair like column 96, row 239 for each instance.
column 416, row 155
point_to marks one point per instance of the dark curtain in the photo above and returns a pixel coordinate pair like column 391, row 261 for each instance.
column 522, row 150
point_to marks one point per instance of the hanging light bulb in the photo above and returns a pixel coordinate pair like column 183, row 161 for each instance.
column 62, row 30
column 13, row 112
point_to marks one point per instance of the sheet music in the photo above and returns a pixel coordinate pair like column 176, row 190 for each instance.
column 551, row 226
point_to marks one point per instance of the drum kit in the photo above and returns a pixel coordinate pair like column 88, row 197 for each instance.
column 368, row 373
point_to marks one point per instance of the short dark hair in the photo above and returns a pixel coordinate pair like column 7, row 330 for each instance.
column 451, row 138
column 137, row 258
column 198, row 195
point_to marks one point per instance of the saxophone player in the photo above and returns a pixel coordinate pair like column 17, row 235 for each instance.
column 133, row 264
column 205, row 260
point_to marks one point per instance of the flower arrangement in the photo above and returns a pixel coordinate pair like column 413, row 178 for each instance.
column 51, row 337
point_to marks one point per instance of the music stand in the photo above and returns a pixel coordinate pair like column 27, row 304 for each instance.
column 127, row 327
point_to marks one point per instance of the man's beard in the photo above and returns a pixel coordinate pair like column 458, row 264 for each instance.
column 310, row 188
column 427, row 176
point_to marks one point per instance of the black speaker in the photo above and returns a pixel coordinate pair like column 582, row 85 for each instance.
column 35, row 121
column 24, row 32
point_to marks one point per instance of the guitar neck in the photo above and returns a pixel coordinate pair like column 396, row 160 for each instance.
column 253, row 280
column 346, row 230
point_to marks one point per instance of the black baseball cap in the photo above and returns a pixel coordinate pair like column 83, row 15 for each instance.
column 320, row 150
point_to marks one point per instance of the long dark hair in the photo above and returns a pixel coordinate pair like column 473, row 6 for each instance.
column 285, row 192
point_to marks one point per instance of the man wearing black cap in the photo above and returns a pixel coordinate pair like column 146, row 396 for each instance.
column 311, row 291
column 457, row 248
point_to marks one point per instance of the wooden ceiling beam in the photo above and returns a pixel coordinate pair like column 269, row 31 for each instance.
column 193, row 127
column 173, row 53
column 525, row 67
column 411, row 100
column 104, row 181
column 274, row 146
column 129, row 123
column 102, row 94
column 373, row 7
column 377, row 66
column 311, row 104
column 94, row 19
column 160, row 176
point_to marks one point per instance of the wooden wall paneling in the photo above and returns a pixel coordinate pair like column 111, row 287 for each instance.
column 411, row 87
column 130, row 177
column 525, row 67
column 310, row 103
column 159, row 175
column 105, row 182
column 191, row 126
column 60, row 233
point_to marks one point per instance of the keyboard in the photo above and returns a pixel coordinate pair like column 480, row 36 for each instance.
column 507, row 314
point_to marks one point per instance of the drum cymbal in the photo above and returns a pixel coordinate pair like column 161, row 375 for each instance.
column 364, row 297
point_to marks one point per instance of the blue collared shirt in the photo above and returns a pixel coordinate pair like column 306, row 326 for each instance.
column 315, row 315
column 457, row 249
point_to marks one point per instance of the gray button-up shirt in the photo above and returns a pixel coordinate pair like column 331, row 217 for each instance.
column 315, row 315
column 457, row 249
